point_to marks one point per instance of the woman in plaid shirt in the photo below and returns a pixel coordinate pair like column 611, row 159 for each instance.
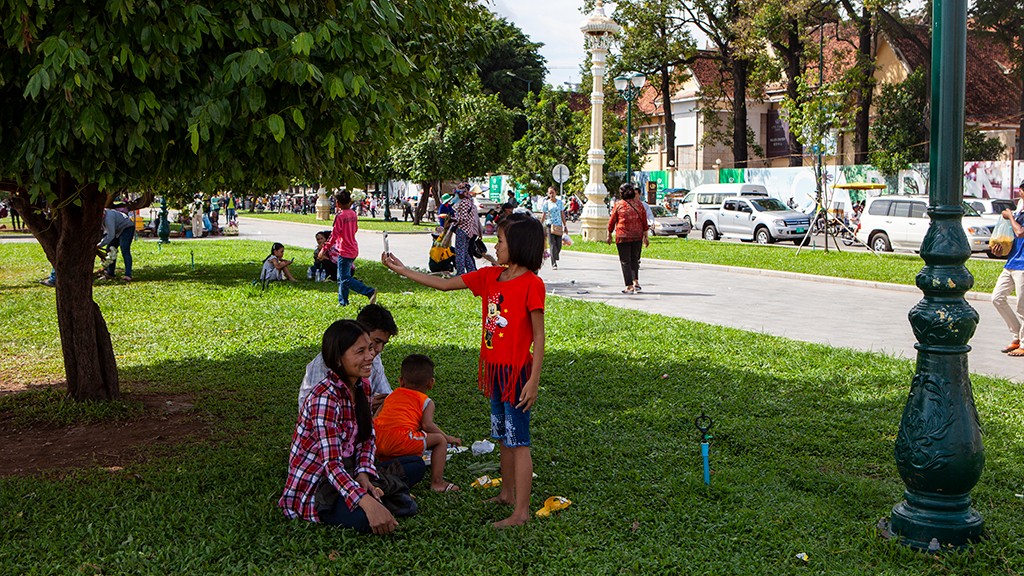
column 331, row 460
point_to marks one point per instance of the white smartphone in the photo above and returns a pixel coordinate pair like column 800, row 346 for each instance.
column 386, row 249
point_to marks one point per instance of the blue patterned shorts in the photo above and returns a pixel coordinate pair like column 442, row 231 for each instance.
column 509, row 425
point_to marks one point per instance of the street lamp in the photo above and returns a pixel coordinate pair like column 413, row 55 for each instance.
column 629, row 88
column 939, row 451
column 529, row 83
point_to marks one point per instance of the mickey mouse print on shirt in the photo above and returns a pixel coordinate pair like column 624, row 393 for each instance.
column 494, row 319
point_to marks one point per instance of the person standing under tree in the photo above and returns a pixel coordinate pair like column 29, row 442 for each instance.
column 343, row 245
column 118, row 233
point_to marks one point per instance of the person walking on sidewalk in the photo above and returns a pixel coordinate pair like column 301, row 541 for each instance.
column 1010, row 280
column 554, row 217
column 628, row 221
column 342, row 247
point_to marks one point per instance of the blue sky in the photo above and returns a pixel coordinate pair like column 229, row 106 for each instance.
column 556, row 23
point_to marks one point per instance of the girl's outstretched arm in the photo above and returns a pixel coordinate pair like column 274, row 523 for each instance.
column 436, row 282
column 529, row 394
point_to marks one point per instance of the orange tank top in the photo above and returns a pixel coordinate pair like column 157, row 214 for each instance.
column 402, row 410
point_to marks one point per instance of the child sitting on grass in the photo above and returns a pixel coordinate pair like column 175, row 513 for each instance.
column 405, row 425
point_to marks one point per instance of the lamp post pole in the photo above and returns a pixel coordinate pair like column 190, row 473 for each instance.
column 598, row 30
column 939, row 452
column 629, row 87
column 529, row 84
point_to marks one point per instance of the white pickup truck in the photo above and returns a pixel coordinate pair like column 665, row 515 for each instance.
column 763, row 219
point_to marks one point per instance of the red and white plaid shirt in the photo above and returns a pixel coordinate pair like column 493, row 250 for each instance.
column 325, row 434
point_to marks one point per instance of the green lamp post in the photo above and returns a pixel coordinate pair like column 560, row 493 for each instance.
column 163, row 230
column 939, row 453
column 629, row 87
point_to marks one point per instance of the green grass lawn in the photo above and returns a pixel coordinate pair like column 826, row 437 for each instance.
column 365, row 222
column 894, row 268
column 802, row 451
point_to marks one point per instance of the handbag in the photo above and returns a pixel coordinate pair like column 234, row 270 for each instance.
column 446, row 240
column 557, row 229
column 477, row 247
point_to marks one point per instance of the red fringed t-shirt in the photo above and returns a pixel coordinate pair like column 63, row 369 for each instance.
column 506, row 345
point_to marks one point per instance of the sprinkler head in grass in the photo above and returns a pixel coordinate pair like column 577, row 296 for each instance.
column 704, row 424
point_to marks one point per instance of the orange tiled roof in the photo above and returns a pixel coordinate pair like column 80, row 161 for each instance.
column 991, row 95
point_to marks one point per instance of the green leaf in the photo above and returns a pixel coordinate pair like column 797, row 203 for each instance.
column 302, row 43
column 193, row 134
column 298, row 119
column 276, row 125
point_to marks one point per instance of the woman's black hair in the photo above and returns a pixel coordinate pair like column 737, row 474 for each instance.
column 338, row 338
column 273, row 248
column 626, row 191
column 325, row 233
column 524, row 235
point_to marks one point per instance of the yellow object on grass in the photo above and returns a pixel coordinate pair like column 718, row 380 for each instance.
column 553, row 504
column 486, row 482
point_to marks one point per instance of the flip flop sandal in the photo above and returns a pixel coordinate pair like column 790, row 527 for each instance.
column 1011, row 347
column 1017, row 352
column 628, row 291
column 553, row 504
column 449, row 488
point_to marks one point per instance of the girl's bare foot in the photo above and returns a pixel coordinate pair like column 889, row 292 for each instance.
column 500, row 499
column 512, row 520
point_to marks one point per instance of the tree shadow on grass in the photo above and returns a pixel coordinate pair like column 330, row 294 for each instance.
column 800, row 432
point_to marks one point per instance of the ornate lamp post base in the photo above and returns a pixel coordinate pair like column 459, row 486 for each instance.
column 595, row 215
column 323, row 205
column 947, row 520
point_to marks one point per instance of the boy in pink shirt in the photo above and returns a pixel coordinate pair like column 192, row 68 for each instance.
column 342, row 248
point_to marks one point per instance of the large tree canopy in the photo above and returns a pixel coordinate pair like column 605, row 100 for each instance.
column 510, row 64
column 104, row 97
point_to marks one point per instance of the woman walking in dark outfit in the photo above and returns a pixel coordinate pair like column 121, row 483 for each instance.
column 629, row 223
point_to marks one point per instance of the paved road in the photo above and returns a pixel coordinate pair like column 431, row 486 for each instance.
column 837, row 312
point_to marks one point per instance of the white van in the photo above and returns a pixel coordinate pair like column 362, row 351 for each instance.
column 710, row 197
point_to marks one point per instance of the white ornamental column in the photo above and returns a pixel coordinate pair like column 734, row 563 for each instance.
column 323, row 205
column 598, row 29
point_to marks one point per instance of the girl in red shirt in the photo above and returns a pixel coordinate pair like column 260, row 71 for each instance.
column 512, row 298
column 342, row 248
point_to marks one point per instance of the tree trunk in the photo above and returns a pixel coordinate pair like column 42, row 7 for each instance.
column 670, row 123
column 793, row 54
column 739, row 112
column 1020, row 128
column 865, row 64
column 68, row 238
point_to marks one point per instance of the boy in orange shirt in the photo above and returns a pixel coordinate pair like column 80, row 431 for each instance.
column 405, row 424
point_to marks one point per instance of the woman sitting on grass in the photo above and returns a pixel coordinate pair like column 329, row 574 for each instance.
column 275, row 267
column 331, row 460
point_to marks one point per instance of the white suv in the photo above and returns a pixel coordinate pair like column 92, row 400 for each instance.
column 900, row 222
column 991, row 206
